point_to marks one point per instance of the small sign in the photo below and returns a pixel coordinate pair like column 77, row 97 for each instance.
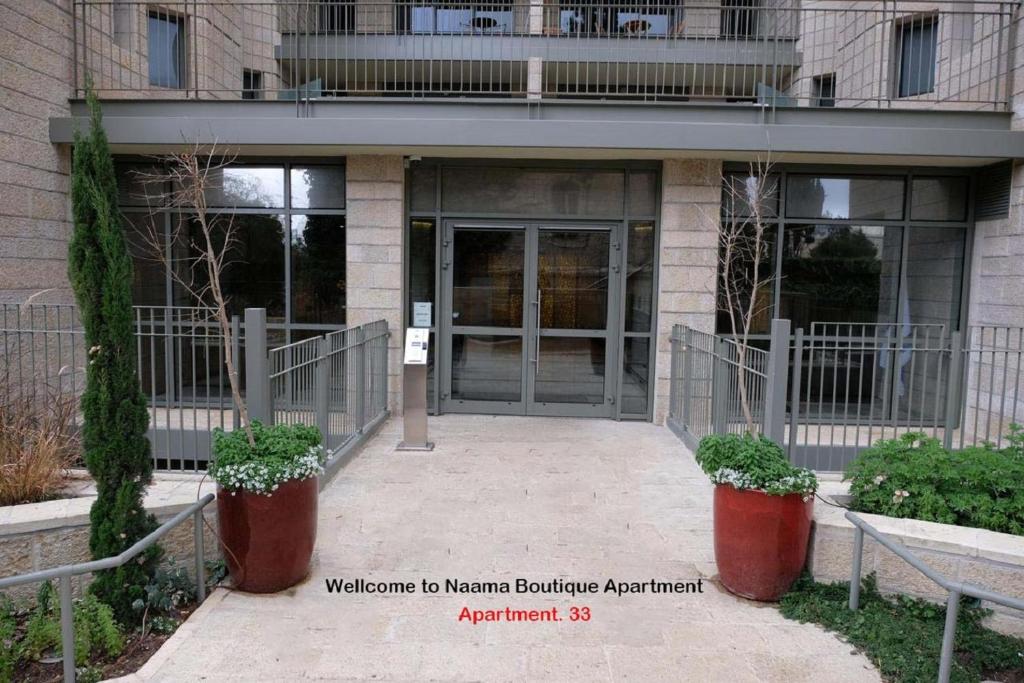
column 416, row 340
column 421, row 311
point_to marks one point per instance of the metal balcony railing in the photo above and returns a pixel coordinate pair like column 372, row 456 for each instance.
column 856, row 53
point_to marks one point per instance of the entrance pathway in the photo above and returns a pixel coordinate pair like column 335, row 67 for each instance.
column 502, row 498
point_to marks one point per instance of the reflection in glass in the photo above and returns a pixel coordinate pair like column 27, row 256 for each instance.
column 570, row 370
column 640, row 277
column 572, row 274
column 422, row 188
column 487, row 368
column 488, row 278
column 643, row 193
column 740, row 195
column 318, row 269
column 939, row 199
column 134, row 187
column 743, row 267
column 859, row 198
column 318, row 187
column 254, row 276
column 149, row 283
column 421, row 265
column 246, row 186
column 935, row 270
column 839, row 273
column 523, row 191
column 635, row 375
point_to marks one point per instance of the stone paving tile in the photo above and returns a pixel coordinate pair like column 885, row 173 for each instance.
column 502, row 498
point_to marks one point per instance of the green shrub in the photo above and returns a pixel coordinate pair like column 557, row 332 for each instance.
column 282, row 453
column 903, row 637
column 752, row 462
column 96, row 632
column 915, row 477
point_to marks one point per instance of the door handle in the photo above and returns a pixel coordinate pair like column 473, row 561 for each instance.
column 536, row 333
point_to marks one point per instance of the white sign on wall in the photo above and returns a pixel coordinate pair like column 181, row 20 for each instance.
column 421, row 311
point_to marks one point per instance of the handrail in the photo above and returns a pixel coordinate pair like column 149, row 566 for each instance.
column 65, row 572
column 955, row 588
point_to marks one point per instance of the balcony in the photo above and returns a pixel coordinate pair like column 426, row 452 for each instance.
column 781, row 53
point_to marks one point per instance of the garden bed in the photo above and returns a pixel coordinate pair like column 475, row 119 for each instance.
column 987, row 558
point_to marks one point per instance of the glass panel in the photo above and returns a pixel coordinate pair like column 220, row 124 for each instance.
column 166, row 50
column 519, row 191
column 572, row 274
column 741, row 194
column 488, row 278
column 570, row 370
column 487, row 368
column 422, row 267
column 254, row 275
column 939, row 199
column 640, row 277
column 833, row 273
column 318, row 269
column 742, row 267
column 133, row 187
column 246, row 186
column 935, row 269
column 635, row 374
column 431, row 369
column 149, row 279
column 318, row 187
column 643, row 193
column 861, row 198
column 423, row 188
column 917, row 57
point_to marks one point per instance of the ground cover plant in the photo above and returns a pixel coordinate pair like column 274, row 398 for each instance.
column 915, row 477
column 903, row 636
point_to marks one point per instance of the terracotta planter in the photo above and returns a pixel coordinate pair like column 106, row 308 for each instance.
column 760, row 541
column 267, row 541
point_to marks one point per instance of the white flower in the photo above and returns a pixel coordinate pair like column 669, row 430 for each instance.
column 879, row 479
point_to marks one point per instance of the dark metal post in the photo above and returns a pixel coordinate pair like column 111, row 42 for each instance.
column 322, row 389
column 858, row 556
column 687, row 388
column 67, row 629
column 719, row 387
column 952, row 417
column 948, row 636
column 257, row 375
column 775, row 391
column 197, row 531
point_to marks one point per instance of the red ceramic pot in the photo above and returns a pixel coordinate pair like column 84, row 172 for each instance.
column 267, row 541
column 760, row 541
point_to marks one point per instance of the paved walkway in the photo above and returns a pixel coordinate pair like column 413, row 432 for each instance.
column 502, row 498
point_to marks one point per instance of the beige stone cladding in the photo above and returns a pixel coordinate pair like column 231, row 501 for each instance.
column 374, row 228
column 690, row 207
column 35, row 76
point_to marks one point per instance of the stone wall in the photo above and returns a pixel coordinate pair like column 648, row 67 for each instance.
column 35, row 78
column 690, row 206
column 56, row 533
column 985, row 558
column 374, row 229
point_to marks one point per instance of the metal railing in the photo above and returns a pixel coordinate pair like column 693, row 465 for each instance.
column 858, row 53
column 64, row 574
column 955, row 589
column 836, row 389
column 336, row 381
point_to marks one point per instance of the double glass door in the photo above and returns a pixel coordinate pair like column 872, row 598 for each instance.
column 527, row 317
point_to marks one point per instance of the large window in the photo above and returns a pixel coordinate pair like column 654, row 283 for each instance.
column 167, row 51
column 288, row 222
column 860, row 248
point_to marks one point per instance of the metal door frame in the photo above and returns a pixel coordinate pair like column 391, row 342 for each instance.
column 528, row 330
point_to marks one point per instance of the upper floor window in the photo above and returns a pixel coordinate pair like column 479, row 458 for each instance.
column 824, row 91
column 167, row 56
column 740, row 18
column 916, row 49
column 252, row 84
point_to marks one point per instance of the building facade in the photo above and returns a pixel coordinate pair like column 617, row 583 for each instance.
column 539, row 183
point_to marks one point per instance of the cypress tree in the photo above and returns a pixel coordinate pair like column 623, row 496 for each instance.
column 113, row 407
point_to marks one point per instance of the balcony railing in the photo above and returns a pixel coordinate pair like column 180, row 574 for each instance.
column 858, row 53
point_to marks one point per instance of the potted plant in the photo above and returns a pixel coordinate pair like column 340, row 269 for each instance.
column 762, row 513
column 267, row 503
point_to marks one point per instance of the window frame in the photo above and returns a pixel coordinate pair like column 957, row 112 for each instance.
column 180, row 52
column 904, row 29
column 819, row 100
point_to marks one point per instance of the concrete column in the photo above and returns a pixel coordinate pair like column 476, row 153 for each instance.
column 374, row 252
column 536, row 17
column 534, row 78
column 690, row 204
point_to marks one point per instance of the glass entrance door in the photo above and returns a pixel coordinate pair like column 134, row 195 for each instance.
column 528, row 318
